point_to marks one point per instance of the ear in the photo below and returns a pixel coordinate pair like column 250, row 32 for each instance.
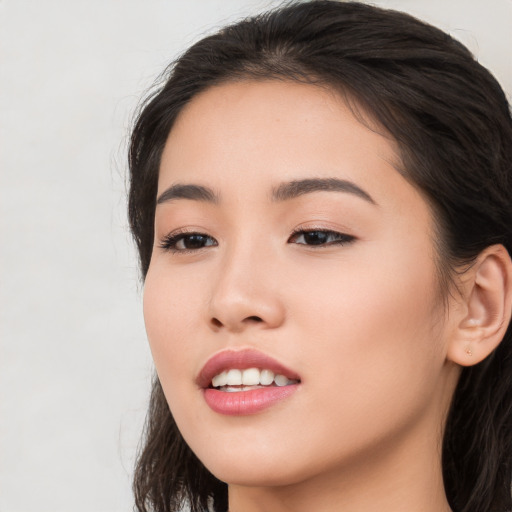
column 487, row 294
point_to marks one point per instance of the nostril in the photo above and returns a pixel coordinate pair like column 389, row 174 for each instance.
column 216, row 323
column 254, row 319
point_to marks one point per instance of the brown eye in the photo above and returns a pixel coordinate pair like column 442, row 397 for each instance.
column 319, row 237
column 315, row 237
column 192, row 242
column 184, row 242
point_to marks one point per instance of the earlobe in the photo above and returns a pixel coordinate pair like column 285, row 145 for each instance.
column 488, row 297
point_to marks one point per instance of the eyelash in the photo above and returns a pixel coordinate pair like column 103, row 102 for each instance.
column 340, row 238
column 170, row 242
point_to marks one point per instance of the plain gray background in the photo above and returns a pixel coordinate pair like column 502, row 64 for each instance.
column 74, row 364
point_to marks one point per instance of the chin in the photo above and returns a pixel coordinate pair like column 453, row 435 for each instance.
column 251, row 474
column 269, row 466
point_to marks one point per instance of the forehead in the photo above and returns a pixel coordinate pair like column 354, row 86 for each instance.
column 243, row 136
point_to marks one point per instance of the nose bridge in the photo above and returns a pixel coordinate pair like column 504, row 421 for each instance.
column 244, row 290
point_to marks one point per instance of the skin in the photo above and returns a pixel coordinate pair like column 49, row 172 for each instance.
column 361, row 322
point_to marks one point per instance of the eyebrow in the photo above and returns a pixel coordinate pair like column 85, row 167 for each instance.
column 296, row 188
column 283, row 192
column 194, row 192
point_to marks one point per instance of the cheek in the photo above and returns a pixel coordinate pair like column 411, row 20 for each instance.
column 379, row 292
column 171, row 314
column 372, row 331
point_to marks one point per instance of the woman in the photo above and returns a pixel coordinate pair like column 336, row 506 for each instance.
column 321, row 202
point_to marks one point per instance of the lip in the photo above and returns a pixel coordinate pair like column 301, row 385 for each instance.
column 244, row 402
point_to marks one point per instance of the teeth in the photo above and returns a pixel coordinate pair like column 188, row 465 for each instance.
column 281, row 380
column 234, row 378
column 249, row 377
column 220, row 380
column 266, row 377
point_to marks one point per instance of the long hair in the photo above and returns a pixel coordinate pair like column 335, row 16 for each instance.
column 453, row 126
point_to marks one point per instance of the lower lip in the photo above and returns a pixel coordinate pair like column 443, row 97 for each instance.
column 242, row 403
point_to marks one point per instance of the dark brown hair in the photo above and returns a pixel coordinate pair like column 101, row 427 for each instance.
column 453, row 126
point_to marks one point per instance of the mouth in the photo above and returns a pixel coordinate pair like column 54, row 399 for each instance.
column 245, row 382
column 236, row 380
column 244, row 368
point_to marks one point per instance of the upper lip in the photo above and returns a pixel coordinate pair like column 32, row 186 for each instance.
column 240, row 359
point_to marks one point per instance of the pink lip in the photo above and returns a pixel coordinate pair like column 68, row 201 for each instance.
column 243, row 402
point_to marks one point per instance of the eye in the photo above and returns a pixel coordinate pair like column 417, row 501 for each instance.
column 317, row 237
column 186, row 242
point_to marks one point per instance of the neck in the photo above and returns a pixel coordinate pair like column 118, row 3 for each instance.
column 393, row 479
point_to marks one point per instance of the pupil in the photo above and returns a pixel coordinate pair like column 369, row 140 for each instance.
column 194, row 241
column 315, row 237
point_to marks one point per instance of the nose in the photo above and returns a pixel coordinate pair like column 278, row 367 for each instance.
column 246, row 293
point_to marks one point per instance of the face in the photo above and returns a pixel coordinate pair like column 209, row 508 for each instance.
column 287, row 241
